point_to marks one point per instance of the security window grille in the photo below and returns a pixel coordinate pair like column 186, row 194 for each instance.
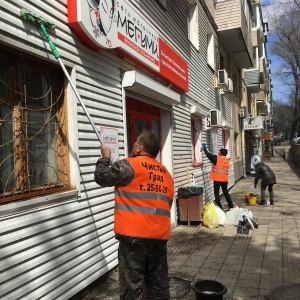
column 33, row 133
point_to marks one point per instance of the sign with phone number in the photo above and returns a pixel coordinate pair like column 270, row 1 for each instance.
column 110, row 138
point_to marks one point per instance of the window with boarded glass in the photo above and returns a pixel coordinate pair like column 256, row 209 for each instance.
column 33, row 128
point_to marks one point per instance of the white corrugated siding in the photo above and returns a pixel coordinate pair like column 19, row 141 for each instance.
column 201, row 94
column 54, row 251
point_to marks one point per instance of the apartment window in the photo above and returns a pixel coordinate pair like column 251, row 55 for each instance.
column 254, row 19
column 222, row 62
column 196, row 134
column 225, row 140
column 33, row 128
column 193, row 23
column 254, row 56
column 210, row 49
column 235, row 147
column 235, row 84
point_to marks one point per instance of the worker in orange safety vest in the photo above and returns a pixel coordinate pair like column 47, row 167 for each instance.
column 144, row 192
column 219, row 174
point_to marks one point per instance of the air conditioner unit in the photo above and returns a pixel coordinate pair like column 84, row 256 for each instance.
column 215, row 117
column 229, row 87
column 222, row 77
column 243, row 112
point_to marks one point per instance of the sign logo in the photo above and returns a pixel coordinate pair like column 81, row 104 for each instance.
column 252, row 123
column 114, row 24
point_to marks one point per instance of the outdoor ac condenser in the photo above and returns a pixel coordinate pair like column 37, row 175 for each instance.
column 229, row 87
column 215, row 117
column 222, row 77
column 243, row 112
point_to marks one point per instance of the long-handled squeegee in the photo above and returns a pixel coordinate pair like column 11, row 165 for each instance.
column 43, row 23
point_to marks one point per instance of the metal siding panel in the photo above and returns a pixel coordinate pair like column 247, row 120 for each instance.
column 65, row 233
column 59, row 250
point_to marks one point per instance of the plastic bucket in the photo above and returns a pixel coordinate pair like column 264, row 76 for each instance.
column 209, row 290
column 252, row 199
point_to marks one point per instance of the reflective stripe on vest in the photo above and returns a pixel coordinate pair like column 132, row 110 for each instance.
column 219, row 171
column 144, row 196
column 142, row 208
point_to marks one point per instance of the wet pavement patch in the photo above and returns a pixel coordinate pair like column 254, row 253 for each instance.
column 179, row 287
column 285, row 213
column 285, row 293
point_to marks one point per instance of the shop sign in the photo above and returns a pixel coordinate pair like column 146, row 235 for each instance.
column 252, row 123
column 116, row 25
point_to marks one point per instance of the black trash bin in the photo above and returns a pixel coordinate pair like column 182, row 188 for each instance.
column 190, row 203
column 189, row 191
column 209, row 290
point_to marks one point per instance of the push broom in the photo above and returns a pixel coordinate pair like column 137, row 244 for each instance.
column 43, row 23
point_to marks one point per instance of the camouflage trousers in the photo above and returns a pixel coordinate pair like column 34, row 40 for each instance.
column 143, row 269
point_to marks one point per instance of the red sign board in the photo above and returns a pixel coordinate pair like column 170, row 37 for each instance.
column 116, row 25
column 172, row 67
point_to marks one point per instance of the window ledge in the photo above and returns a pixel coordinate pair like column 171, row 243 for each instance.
column 29, row 204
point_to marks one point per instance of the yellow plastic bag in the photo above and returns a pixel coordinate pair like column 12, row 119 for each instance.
column 210, row 216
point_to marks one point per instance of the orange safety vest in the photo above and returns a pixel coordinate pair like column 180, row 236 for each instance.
column 142, row 208
column 219, row 171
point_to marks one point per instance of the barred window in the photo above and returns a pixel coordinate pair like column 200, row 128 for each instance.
column 33, row 127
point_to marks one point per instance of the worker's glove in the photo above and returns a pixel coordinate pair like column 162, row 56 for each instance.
column 203, row 146
column 255, row 186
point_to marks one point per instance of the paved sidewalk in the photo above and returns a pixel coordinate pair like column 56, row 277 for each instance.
column 250, row 266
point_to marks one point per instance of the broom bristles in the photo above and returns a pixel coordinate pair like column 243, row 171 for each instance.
column 34, row 18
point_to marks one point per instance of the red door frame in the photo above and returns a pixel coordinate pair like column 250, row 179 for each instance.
column 139, row 110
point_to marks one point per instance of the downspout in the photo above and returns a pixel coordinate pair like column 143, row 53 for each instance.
column 123, row 97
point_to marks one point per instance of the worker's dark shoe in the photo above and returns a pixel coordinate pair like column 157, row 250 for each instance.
column 262, row 202
column 271, row 202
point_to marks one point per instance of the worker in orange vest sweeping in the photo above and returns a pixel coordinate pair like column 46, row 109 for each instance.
column 219, row 174
column 144, row 192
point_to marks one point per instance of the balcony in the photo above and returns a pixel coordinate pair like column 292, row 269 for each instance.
column 262, row 108
column 233, row 32
column 251, row 77
column 260, row 97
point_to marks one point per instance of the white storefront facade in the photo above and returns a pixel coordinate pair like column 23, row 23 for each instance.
column 134, row 68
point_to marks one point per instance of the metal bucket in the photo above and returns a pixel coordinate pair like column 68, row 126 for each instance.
column 209, row 290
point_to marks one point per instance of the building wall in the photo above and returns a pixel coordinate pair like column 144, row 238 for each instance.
column 54, row 246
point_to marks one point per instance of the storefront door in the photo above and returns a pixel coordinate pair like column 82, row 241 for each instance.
column 141, row 116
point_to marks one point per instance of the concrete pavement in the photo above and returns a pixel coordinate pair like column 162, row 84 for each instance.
column 260, row 265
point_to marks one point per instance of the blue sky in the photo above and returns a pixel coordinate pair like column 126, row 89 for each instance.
column 280, row 91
